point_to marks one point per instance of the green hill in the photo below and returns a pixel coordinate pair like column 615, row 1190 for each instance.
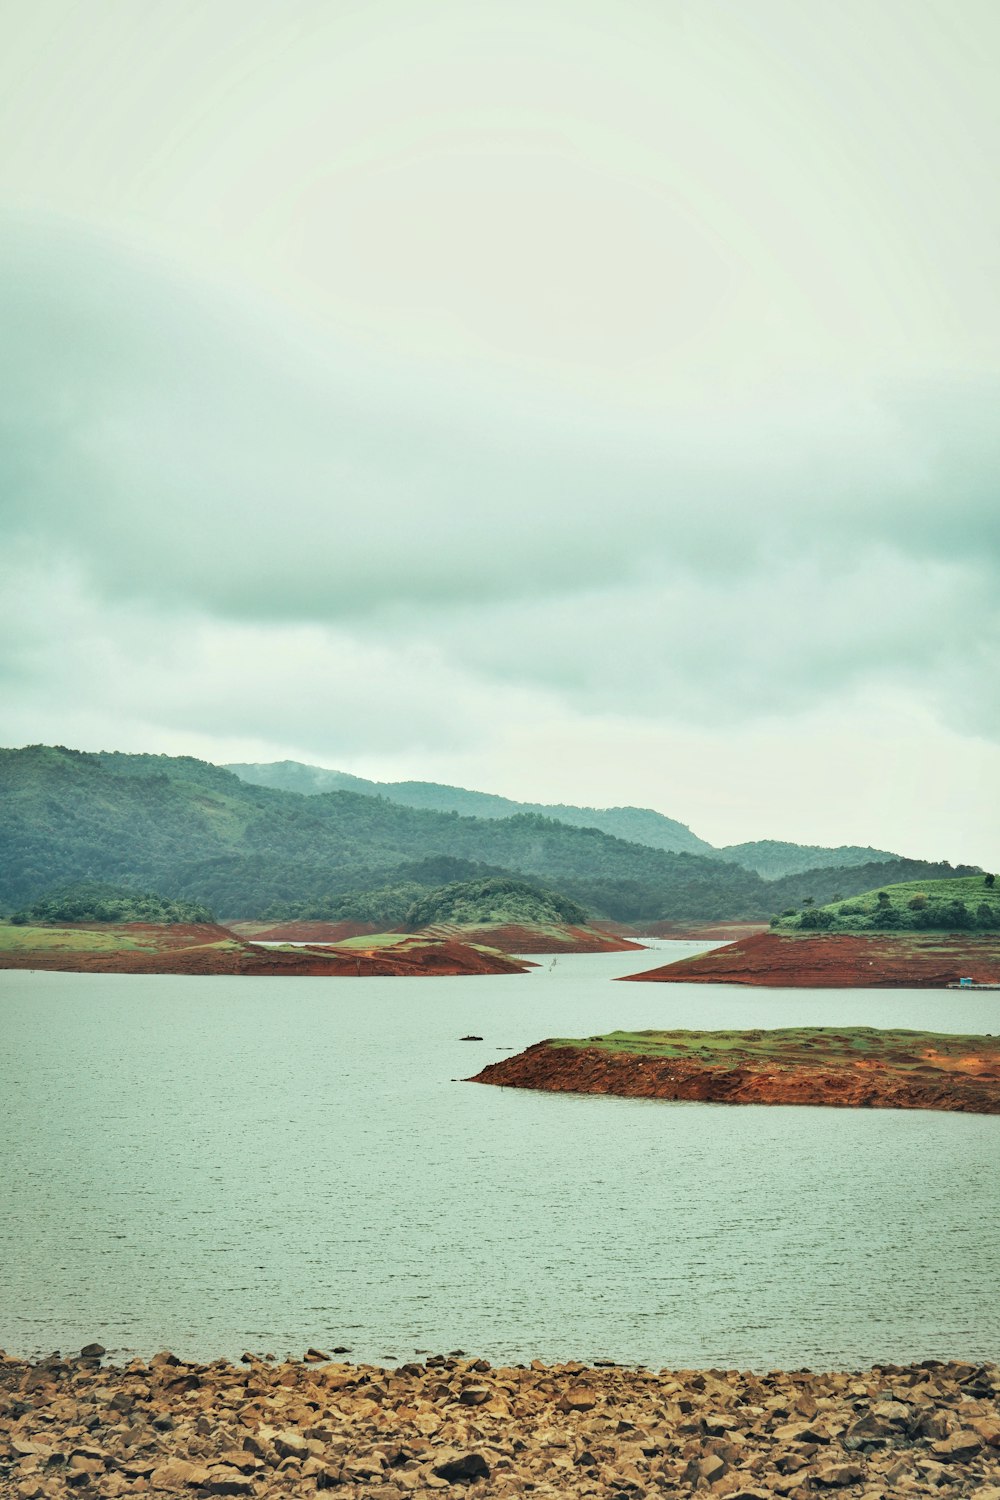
column 956, row 904
column 470, row 902
column 197, row 833
column 95, row 901
column 773, row 859
column 640, row 825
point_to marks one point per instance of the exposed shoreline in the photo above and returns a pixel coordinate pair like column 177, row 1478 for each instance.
column 207, row 949
column 932, row 960
column 454, row 1424
column 851, row 1068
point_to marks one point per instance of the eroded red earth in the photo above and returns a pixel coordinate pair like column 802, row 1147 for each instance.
column 937, row 1084
column 208, row 949
column 841, row 960
column 562, row 938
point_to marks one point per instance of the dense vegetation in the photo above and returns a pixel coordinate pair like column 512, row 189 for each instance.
column 640, row 825
column 198, row 833
column 637, row 825
column 93, row 901
column 509, row 901
column 773, row 859
column 952, row 905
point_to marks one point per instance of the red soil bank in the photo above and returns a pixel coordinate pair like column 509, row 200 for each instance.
column 841, row 960
column 723, row 932
column 207, row 949
column 592, row 1070
column 302, row 932
column 513, row 938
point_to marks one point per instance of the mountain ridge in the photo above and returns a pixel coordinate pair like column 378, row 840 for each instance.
column 195, row 832
column 770, row 858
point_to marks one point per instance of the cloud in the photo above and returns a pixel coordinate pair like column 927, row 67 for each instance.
column 171, row 452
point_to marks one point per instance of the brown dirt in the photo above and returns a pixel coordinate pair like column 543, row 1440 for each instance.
column 456, row 1426
column 840, row 960
column 887, row 1083
column 514, row 938
column 208, row 949
column 727, row 932
column 302, row 932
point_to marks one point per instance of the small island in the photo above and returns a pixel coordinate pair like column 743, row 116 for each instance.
column 857, row 1067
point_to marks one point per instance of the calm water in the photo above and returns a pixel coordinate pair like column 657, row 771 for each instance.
column 224, row 1164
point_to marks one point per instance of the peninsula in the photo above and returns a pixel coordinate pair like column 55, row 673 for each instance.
column 919, row 934
column 207, row 948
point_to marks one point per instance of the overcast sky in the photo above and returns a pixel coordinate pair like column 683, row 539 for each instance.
column 584, row 400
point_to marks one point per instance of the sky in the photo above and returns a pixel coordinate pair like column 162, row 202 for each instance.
column 582, row 401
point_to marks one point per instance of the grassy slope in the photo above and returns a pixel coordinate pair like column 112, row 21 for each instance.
column 109, row 938
column 810, row 1045
column 856, row 913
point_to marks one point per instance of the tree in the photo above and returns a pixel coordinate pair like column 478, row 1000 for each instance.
column 989, row 879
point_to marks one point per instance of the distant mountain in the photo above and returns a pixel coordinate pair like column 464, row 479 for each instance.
column 773, row 859
column 639, row 825
column 196, row 832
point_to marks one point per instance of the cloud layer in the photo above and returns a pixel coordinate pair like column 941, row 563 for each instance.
column 520, row 394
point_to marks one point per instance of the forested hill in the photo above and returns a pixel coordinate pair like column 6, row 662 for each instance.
column 640, row 825
column 772, row 858
column 196, row 832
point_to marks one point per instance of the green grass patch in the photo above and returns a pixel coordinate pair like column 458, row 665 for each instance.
column 24, row 939
column 966, row 903
column 812, row 1045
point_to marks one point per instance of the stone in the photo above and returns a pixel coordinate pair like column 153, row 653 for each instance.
column 960, row 1445
column 837, row 1476
column 179, row 1474
column 578, row 1398
column 93, row 1351
column 463, row 1468
column 474, row 1395
column 228, row 1482
column 291, row 1444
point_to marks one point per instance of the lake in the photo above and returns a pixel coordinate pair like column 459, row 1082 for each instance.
column 220, row 1164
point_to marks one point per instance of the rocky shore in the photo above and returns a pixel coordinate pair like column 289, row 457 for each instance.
column 453, row 1425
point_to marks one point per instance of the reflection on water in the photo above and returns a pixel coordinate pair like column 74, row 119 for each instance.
column 219, row 1164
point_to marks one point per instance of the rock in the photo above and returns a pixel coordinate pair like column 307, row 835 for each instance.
column 868, row 1431
column 93, row 1351
column 474, row 1395
column 178, row 1474
column 464, row 1468
column 960, row 1445
column 578, row 1398
column 315, row 1357
column 228, row 1482
column 836, row 1476
column 291, row 1444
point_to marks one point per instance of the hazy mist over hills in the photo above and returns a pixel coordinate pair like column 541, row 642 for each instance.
column 639, row 825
